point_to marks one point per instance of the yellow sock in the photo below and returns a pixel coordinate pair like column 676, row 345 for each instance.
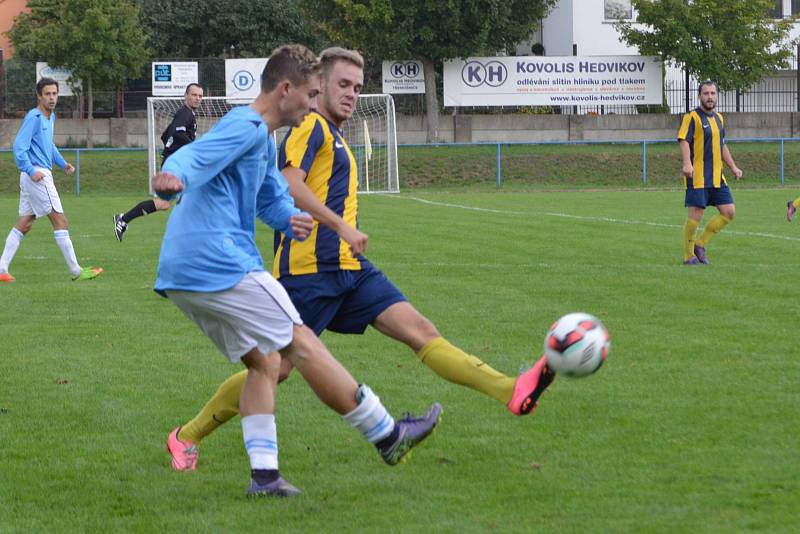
column 689, row 232
column 223, row 406
column 796, row 203
column 455, row 365
column 714, row 226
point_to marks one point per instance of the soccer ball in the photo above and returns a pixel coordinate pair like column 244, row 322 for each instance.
column 576, row 345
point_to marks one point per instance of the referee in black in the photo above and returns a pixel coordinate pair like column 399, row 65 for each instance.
column 181, row 131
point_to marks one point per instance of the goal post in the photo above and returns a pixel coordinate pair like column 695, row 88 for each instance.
column 371, row 134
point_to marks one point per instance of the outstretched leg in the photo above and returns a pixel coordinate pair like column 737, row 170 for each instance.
column 146, row 207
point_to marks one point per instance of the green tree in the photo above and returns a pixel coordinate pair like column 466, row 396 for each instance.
column 429, row 31
column 735, row 43
column 100, row 41
column 209, row 28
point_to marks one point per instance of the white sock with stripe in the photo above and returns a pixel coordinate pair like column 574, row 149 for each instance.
column 65, row 244
column 12, row 244
column 370, row 417
column 261, row 440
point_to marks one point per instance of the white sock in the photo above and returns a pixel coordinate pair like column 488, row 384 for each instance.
column 261, row 440
column 370, row 417
column 65, row 244
column 12, row 244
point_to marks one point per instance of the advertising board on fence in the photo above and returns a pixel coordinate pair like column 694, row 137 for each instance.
column 243, row 78
column 170, row 78
column 403, row 77
column 43, row 70
column 553, row 81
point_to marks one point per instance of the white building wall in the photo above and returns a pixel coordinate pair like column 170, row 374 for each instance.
column 557, row 29
column 593, row 34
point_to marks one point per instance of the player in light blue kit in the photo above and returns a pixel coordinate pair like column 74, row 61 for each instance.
column 211, row 269
column 35, row 154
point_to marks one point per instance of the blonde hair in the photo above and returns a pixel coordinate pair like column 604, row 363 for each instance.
column 330, row 56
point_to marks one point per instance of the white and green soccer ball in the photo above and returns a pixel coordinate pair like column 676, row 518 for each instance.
column 576, row 345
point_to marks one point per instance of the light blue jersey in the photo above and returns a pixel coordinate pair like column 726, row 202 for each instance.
column 230, row 177
column 34, row 146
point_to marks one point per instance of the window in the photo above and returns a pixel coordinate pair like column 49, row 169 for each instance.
column 618, row 9
column 776, row 11
column 795, row 7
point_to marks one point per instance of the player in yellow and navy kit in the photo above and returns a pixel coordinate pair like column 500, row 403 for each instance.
column 332, row 285
column 702, row 141
column 791, row 207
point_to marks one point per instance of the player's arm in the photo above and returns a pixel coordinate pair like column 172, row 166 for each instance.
column 22, row 145
column 306, row 200
column 59, row 160
column 686, row 136
column 686, row 154
column 276, row 208
column 207, row 157
column 728, row 159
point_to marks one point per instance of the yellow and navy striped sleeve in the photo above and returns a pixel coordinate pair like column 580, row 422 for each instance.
column 686, row 131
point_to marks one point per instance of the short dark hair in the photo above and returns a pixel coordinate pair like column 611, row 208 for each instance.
column 189, row 87
column 40, row 85
column 707, row 82
column 294, row 62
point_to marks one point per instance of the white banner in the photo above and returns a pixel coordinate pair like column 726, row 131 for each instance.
column 403, row 77
column 43, row 70
column 552, row 81
column 170, row 78
column 243, row 78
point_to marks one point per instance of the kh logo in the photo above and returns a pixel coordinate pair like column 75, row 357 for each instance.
column 243, row 80
column 475, row 73
column 409, row 69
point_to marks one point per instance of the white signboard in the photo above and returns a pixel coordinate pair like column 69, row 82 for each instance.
column 243, row 78
column 403, row 77
column 43, row 70
column 170, row 78
column 554, row 80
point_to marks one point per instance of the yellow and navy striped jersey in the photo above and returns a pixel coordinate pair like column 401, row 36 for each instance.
column 706, row 137
column 318, row 148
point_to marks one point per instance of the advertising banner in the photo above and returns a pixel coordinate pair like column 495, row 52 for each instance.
column 403, row 77
column 170, row 78
column 243, row 78
column 43, row 70
column 554, row 80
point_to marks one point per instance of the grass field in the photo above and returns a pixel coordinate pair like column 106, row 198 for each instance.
column 691, row 426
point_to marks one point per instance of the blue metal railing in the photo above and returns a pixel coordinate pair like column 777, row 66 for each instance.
column 644, row 144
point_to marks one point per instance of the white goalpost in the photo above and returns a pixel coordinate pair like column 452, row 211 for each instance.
column 371, row 134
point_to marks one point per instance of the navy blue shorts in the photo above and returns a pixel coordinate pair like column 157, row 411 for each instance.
column 342, row 301
column 708, row 196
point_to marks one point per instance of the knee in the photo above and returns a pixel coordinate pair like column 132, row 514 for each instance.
column 423, row 331
column 267, row 365
column 303, row 347
column 285, row 371
column 60, row 222
column 427, row 330
column 162, row 205
column 24, row 227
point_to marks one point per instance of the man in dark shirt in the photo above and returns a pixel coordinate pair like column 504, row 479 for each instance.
column 181, row 131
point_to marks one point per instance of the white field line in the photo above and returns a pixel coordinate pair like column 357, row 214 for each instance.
column 592, row 218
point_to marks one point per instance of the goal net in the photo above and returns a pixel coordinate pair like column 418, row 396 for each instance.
column 371, row 134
